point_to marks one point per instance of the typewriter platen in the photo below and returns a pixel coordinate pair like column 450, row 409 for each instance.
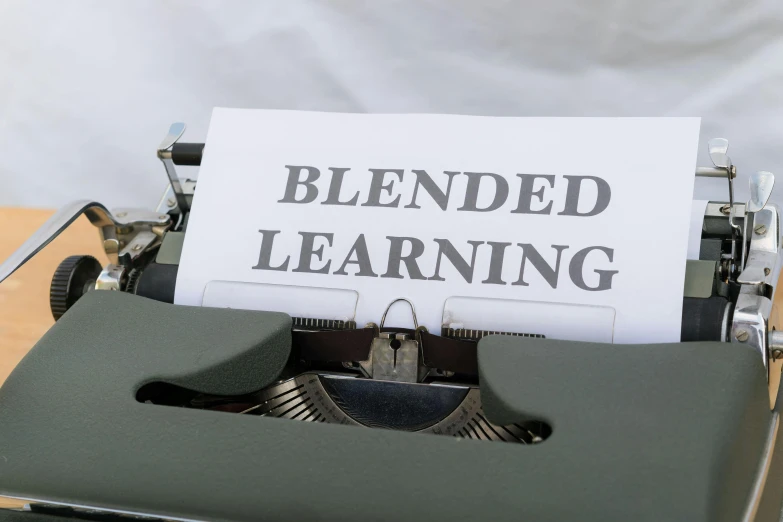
column 409, row 379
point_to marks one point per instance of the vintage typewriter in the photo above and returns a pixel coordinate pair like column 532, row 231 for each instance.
column 132, row 407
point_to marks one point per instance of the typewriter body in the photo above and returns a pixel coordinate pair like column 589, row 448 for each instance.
column 132, row 406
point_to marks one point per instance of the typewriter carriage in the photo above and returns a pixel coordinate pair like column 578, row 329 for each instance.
column 740, row 245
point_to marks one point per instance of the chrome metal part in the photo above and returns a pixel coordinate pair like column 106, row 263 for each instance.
column 110, row 278
column 712, row 172
column 413, row 312
column 176, row 130
column 111, row 227
column 139, row 216
column 164, row 154
column 393, row 357
column 761, row 184
column 718, row 148
column 776, row 344
column 762, row 264
column 306, row 398
column 137, row 246
column 749, row 324
column 748, row 320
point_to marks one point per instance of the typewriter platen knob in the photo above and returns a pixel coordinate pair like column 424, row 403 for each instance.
column 74, row 277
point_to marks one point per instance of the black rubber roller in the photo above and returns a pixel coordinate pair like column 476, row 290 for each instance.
column 74, row 277
column 702, row 319
column 187, row 153
column 158, row 282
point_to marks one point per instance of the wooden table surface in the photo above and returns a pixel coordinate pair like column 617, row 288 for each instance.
column 24, row 297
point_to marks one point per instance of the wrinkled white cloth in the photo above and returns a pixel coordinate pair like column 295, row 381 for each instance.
column 89, row 88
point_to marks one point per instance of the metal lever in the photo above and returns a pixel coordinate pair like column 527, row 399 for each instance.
column 761, row 184
column 718, row 148
column 763, row 248
column 98, row 216
column 164, row 154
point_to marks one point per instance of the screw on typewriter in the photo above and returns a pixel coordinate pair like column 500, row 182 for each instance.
column 408, row 378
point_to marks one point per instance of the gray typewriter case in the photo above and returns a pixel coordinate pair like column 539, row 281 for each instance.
column 131, row 406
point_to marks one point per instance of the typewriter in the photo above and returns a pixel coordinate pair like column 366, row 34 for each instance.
column 131, row 407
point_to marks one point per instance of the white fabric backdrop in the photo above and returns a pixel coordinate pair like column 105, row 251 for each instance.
column 88, row 88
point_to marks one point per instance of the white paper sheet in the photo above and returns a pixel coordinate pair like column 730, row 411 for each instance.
column 606, row 259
